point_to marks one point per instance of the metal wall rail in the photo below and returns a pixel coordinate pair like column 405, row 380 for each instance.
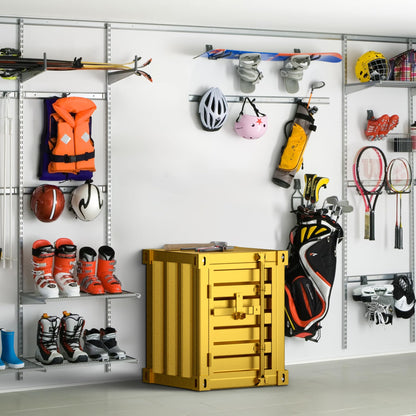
column 27, row 190
column 19, row 374
column 108, row 157
column 47, row 94
column 154, row 27
column 265, row 99
column 344, row 318
column 370, row 278
column 410, row 98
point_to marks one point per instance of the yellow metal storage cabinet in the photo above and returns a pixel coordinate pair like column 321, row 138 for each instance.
column 215, row 319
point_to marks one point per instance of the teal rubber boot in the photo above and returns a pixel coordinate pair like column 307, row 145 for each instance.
column 8, row 355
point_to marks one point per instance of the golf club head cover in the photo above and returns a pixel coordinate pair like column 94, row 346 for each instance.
column 292, row 152
column 404, row 297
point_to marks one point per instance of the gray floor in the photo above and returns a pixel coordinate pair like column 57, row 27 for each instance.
column 366, row 386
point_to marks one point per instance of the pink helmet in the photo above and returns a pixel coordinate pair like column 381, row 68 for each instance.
column 248, row 126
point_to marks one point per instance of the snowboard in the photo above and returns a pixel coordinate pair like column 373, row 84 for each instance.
column 270, row 56
column 12, row 65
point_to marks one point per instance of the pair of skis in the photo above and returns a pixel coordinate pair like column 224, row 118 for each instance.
column 12, row 65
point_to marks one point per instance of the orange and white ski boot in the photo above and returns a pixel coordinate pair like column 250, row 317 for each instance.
column 64, row 267
column 43, row 253
column 86, row 274
column 106, row 268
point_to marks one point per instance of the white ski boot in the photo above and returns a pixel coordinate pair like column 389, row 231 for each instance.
column 70, row 332
column 47, row 337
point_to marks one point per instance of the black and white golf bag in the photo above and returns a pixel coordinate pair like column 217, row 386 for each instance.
column 310, row 272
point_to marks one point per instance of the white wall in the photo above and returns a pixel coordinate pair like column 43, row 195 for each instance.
column 317, row 16
column 174, row 182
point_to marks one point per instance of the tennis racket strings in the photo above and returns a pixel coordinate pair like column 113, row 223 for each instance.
column 399, row 181
column 369, row 173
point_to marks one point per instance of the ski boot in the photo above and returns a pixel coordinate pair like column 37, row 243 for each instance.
column 105, row 270
column 63, row 271
column 94, row 346
column 47, row 337
column 108, row 338
column 87, row 277
column 370, row 293
column 69, row 338
column 42, row 264
column 8, row 355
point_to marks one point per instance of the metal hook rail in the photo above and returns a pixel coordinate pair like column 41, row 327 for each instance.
column 274, row 99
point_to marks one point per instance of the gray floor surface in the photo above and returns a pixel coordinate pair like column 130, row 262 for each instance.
column 367, row 386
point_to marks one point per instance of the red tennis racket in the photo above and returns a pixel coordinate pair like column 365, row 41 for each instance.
column 369, row 172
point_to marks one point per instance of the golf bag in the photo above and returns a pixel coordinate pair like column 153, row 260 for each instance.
column 310, row 272
column 296, row 140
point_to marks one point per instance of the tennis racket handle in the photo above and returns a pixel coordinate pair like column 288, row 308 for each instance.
column 396, row 236
column 401, row 238
column 372, row 230
column 367, row 226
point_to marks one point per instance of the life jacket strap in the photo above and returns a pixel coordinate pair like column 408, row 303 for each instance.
column 72, row 158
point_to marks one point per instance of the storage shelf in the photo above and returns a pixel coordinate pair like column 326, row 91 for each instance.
column 31, row 298
column 30, row 365
column 350, row 88
column 36, row 365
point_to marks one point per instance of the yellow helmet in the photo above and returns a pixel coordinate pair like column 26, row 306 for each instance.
column 372, row 66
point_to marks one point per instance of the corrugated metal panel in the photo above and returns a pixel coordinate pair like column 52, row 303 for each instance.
column 215, row 320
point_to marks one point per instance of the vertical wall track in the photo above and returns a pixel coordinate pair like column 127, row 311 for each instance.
column 20, row 203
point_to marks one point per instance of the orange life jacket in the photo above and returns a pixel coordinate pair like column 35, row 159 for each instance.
column 73, row 149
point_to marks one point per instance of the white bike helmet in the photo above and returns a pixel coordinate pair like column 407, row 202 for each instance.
column 213, row 109
column 86, row 201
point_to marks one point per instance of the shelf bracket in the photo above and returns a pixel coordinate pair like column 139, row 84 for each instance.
column 25, row 76
column 119, row 75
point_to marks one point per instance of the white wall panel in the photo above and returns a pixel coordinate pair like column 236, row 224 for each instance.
column 174, row 182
